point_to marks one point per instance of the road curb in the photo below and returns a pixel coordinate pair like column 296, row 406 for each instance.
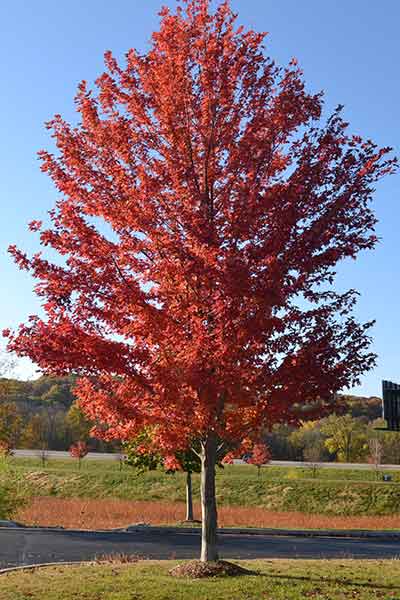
column 320, row 533
column 342, row 533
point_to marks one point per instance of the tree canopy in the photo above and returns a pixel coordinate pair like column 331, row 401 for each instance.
column 203, row 305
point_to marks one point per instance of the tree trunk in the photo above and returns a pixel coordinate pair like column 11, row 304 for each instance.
column 189, row 497
column 209, row 550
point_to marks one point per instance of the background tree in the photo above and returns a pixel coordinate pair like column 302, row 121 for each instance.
column 189, row 462
column 79, row 450
column 10, row 424
column 375, row 455
column 10, row 419
column 391, row 448
column 229, row 199
column 43, row 454
column 260, row 456
column 279, row 441
column 359, row 406
column 308, row 437
column 142, row 456
column 36, row 434
column 346, row 438
column 313, row 455
column 78, row 424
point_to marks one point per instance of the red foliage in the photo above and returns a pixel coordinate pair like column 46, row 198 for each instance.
column 79, row 450
column 5, row 449
column 225, row 200
column 260, row 455
column 228, row 458
column 171, row 463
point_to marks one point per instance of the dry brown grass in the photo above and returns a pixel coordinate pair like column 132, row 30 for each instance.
column 78, row 513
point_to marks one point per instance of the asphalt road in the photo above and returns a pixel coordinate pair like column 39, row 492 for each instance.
column 29, row 547
column 60, row 454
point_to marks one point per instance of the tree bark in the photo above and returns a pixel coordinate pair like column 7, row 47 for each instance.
column 189, row 497
column 209, row 550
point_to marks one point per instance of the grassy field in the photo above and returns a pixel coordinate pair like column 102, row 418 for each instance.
column 276, row 580
column 334, row 492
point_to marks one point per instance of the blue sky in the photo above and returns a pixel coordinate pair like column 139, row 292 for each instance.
column 348, row 49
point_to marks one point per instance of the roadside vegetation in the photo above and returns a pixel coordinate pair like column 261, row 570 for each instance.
column 110, row 513
column 150, row 580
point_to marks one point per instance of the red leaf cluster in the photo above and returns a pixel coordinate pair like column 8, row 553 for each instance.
column 260, row 455
column 5, row 449
column 171, row 463
column 79, row 450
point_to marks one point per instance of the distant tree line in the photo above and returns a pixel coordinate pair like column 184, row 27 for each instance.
column 42, row 414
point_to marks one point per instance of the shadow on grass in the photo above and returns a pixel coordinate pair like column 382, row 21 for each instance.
column 332, row 581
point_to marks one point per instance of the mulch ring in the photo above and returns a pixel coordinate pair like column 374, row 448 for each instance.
column 221, row 568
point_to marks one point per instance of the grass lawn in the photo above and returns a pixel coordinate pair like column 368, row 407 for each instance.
column 277, row 580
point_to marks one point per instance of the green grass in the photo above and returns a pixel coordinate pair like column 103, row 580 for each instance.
column 269, row 472
column 277, row 580
column 337, row 492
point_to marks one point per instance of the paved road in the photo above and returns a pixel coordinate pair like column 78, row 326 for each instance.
column 61, row 454
column 28, row 547
column 57, row 454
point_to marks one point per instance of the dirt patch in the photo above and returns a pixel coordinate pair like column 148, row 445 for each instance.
column 198, row 570
column 119, row 559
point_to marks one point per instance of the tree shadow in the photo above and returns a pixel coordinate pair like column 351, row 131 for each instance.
column 333, row 581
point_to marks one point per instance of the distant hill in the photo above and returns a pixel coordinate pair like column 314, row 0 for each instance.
column 43, row 404
column 361, row 406
column 57, row 392
column 32, row 395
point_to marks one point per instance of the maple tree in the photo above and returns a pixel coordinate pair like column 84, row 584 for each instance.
column 260, row 456
column 204, row 203
column 79, row 450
